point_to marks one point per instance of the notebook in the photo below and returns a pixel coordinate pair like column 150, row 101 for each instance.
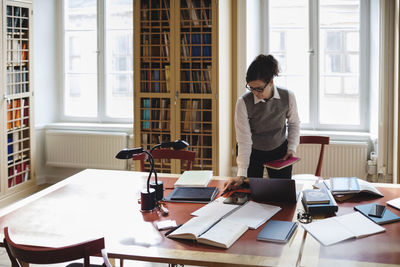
column 192, row 194
column 280, row 163
column 282, row 190
column 277, row 231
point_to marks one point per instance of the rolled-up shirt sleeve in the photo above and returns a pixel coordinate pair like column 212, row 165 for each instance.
column 293, row 123
column 243, row 137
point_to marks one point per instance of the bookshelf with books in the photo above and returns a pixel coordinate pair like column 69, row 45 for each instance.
column 176, row 82
column 17, row 164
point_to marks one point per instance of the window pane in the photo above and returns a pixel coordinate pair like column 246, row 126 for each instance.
column 80, row 96
column 289, row 44
column 339, row 99
column 119, row 59
column 80, row 14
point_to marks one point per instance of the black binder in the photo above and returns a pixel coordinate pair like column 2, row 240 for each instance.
column 192, row 194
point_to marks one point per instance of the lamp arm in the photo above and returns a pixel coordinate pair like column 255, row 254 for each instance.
column 154, row 147
column 148, row 181
column 151, row 160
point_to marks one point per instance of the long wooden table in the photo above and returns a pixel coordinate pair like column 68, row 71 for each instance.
column 382, row 249
column 95, row 203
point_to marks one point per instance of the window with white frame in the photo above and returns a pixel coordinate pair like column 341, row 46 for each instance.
column 320, row 51
column 98, row 60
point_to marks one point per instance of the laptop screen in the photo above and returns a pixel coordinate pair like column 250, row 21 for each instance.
column 283, row 190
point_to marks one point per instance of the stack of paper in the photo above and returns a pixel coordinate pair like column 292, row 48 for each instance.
column 194, row 179
column 394, row 203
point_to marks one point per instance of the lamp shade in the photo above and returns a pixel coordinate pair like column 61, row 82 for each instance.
column 175, row 145
column 127, row 153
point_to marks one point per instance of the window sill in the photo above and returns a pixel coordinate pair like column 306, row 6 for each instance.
column 79, row 126
column 339, row 136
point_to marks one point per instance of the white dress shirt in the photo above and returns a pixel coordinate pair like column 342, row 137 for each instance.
column 243, row 132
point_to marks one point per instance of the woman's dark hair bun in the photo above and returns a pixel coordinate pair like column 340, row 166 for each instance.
column 263, row 67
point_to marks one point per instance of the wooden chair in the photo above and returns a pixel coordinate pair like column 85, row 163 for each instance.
column 322, row 140
column 20, row 254
column 187, row 155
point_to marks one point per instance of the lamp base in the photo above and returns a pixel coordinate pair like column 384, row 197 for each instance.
column 148, row 199
column 159, row 187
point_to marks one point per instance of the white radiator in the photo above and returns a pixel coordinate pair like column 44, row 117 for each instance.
column 341, row 159
column 85, row 149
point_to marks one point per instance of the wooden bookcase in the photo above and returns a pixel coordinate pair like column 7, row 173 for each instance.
column 17, row 126
column 175, row 88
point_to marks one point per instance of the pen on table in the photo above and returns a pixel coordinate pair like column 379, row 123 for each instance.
column 171, row 230
column 224, row 192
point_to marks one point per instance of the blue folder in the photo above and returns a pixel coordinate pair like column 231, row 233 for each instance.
column 387, row 217
column 277, row 231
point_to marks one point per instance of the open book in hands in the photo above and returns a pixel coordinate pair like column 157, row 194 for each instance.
column 280, row 163
column 211, row 231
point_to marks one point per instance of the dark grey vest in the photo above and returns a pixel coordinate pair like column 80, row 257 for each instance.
column 267, row 120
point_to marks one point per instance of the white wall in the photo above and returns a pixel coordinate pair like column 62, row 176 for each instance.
column 253, row 30
column 45, row 64
column 45, row 61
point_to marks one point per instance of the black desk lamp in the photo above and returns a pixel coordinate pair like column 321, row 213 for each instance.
column 155, row 190
column 158, row 185
column 148, row 195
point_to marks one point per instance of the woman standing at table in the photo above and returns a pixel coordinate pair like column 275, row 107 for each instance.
column 266, row 122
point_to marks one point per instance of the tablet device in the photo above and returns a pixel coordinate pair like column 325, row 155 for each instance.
column 192, row 194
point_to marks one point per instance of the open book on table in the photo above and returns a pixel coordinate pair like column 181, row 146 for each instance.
column 211, row 231
column 251, row 213
column 354, row 185
column 339, row 228
column 220, row 224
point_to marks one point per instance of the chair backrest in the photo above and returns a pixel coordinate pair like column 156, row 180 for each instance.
column 142, row 157
column 42, row 255
column 322, row 140
column 187, row 155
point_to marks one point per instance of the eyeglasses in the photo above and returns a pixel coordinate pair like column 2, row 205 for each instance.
column 257, row 89
column 304, row 217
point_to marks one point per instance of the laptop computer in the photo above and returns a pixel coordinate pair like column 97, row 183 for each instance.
column 277, row 190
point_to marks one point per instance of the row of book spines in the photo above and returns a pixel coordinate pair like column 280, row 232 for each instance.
column 17, row 80
column 155, row 45
column 17, row 113
column 194, row 12
column 199, row 81
column 155, row 80
column 192, row 45
column 17, row 148
column 196, row 46
column 155, row 113
column 18, row 173
column 17, row 50
column 195, row 81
